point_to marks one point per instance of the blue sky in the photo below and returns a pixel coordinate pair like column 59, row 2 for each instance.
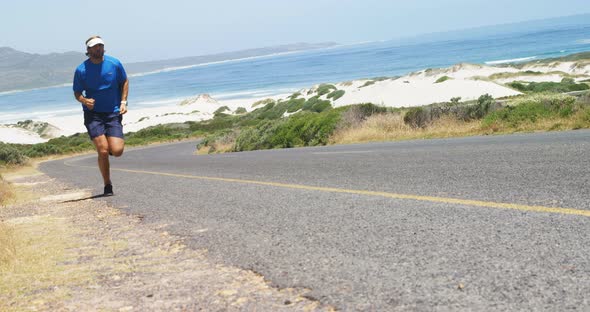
column 147, row 30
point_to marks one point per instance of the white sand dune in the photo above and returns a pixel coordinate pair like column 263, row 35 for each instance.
column 19, row 135
column 416, row 91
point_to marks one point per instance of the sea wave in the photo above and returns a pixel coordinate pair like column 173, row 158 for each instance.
column 583, row 41
column 161, row 102
column 249, row 94
column 169, row 69
column 515, row 60
column 10, row 92
column 11, row 118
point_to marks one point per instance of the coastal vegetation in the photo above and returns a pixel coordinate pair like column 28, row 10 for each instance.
column 6, row 194
column 442, row 79
column 527, row 113
column 324, row 89
column 368, row 83
column 313, row 120
column 334, row 95
column 566, row 85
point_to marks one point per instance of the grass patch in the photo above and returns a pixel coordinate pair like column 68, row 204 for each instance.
column 34, row 252
column 566, row 85
column 538, row 112
column 11, row 154
column 391, row 127
column 7, row 246
column 305, row 128
column 334, row 95
column 325, row 89
column 160, row 133
column 368, row 83
column 442, row 79
column 220, row 110
column 520, row 73
column 263, row 102
column 301, row 129
column 6, row 196
column 535, row 112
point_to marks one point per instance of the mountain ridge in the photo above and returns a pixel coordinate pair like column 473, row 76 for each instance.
column 21, row 70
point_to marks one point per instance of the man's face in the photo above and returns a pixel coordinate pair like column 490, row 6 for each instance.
column 97, row 51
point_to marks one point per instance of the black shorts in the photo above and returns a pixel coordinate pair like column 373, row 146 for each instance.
column 109, row 124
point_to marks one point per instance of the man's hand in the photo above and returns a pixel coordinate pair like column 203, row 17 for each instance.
column 122, row 108
column 89, row 103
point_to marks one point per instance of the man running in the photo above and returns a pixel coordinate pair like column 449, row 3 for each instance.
column 101, row 85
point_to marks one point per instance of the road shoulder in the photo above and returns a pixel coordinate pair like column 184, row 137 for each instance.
column 82, row 254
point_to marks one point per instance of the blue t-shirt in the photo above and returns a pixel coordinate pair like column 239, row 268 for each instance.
column 101, row 82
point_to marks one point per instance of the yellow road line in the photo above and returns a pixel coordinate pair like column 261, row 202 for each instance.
column 467, row 202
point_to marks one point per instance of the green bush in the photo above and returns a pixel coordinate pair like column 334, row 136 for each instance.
column 314, row 104
column 301, row 129
column 211, row 125
column 263, row 102
column 354, row 115
column 11, row 155
column 417, row 117
column 269, row 111
column 484, row 104
column 63, row 145
column 531, row 109
column 241, row 110
column 294, row 105
column 159, row 133
column 369, row 109
column 334, row 95
column 442, row 79
column 325, row 89
column 321, row 106
column 368, row 83
column 566, row 85
column 45, row 149
column 223, row 137
column 220, row 110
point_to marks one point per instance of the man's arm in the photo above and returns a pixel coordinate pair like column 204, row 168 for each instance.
column 124, row 93
column 87, row 102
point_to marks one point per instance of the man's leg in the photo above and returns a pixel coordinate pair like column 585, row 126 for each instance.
column 102, row 148
column 116, row 146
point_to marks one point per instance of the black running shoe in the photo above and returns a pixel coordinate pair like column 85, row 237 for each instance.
column 108, row 190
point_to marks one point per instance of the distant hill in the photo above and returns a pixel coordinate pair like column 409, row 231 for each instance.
column 21, row 70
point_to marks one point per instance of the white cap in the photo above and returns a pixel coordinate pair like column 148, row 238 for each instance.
column 94, row 42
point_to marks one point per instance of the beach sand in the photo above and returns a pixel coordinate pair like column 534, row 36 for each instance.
column 12, row 134
column 467, row 81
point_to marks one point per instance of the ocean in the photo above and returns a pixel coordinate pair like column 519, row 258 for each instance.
column 285, row 73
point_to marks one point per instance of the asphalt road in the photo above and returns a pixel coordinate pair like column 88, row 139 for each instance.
column 480, row 223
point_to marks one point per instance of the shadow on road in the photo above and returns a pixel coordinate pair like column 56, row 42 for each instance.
column 86, row 198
